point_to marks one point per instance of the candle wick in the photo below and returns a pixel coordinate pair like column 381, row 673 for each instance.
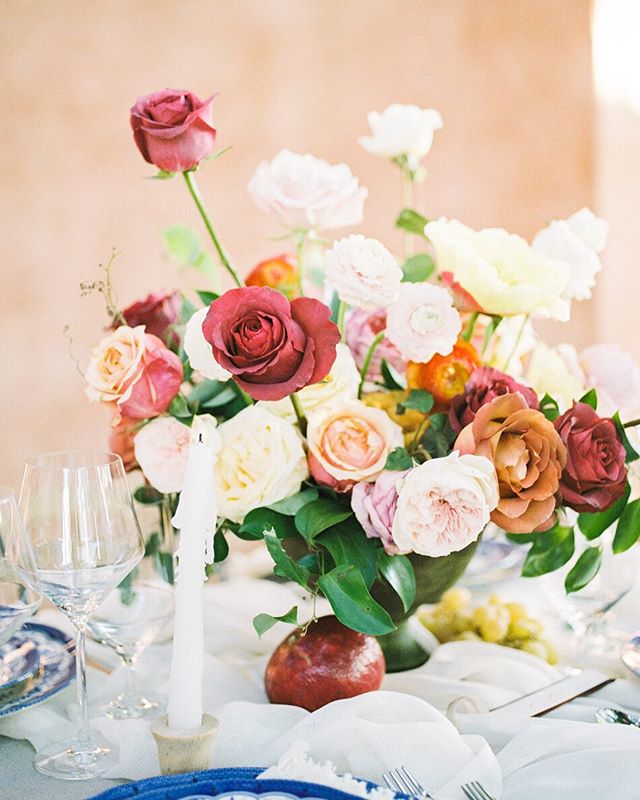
column 200, row 438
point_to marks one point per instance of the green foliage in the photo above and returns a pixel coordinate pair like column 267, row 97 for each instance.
column 164, row 565
column 148, row 496
column 399, row 573
column 264, row 622
column 318, row 515
column 418, row 268
column 398, row 459
column 418, row 400
column 595, row 524
column 628, row 530
column 584, row 570
column 549, row 408
column 210, row 394
column 285, row 567
column 388, row 378
column 590, row 398
column 291, row 505
column 207, row 297
column 263, row 519
column 185, row 247
column 179, row 409
column 220, row 546
column 412, row 222
column 439, row 437
column 631, row 453
column 550, row 551
column 352, row 603
column 348, row 544
column 489, row 331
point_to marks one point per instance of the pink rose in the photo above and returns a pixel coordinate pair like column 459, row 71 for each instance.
column 161, row 449
column 158, row 312
column 374, row 505
column 272, row 347
column 362, row 328
column 173, row 129
column 158, row 381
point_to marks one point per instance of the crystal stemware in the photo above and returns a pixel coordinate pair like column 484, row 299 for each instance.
column 129, row 620
column 82, row 533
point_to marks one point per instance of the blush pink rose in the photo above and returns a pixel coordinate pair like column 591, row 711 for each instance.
column 362, row 328
column 158, row 381
column 374, row 505
column 158, row 312
column 173, row 129
column 161, row 449
column 271, row 347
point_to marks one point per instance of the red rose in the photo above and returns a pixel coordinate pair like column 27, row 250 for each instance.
column 158, row 312
column 484, row 384
column 271, row 346
column 156, row 383
column 595, row 475
column 173, row 129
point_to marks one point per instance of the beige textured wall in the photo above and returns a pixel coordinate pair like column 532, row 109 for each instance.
column 512, row 79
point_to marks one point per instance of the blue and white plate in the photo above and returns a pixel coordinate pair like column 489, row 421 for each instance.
column 19, row 661
column 57, row 660
column 239, row 783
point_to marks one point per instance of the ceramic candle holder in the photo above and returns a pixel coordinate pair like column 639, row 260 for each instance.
column 182, row 750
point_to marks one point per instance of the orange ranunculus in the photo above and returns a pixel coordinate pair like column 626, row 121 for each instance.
column 278, row 272
column 445, row 376
column 528, row 456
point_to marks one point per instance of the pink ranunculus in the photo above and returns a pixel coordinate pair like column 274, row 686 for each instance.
column 161, row 449
column 158, row 381
column 362, row 328
column 272, row 347
column 158, row 312
column 173, row 129
column 374, row 505
column 615, row 375
column 484, row 384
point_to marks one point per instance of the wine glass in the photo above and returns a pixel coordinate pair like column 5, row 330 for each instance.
column 82, row 533
column 129, row 620
column 18, row 601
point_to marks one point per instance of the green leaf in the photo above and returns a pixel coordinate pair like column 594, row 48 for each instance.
column 439, row 436
column 418, row 268
column 207, row 297
column 204, row 392
column 263, row 519
column 164, row 565
column 148, row 496
column 220, row 547
column 291, row 505
column 398, row 571
column 162, row 175
column 550, row 551
column 388, row 377
column 351, row 602
column 335, row 307
column 179, row 409
column 489, row 331
column 264, row 622
column 590, row 398
column 418, row 400
column 318, row 515
column 152, row 545
column 412, row 222
column 595, row 524
column 348, row 544
column 186, row 248
column 632, row 455
column 398, row 459
column 187, row 310
column 584, row 570
column 628, row 529
column 549, row 408
column 285, row 565
column 522, row 538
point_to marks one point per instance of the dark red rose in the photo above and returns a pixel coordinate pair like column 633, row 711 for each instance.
column 271, row 346
column 595, row 475
column 158, row 312
column 484, row 384
column 173, row 129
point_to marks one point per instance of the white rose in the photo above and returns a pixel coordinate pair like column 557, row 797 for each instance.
column 500, row 270
column 444, row 504
column 340, row 386
column 577, row 241
column 307, row 193
column 262, row 460
column 556, row 371
column 199, row 351
column 363, row 272
column 402, row 130
column 115, row 364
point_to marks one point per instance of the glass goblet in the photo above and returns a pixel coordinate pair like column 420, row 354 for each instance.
column 82, row 533
column 129, row 620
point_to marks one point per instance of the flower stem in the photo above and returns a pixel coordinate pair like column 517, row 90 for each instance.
column 190, row 180
column 297, row 407
column 467, row 333
column 342, row 310
column 407, row 202
column 301, row 238
column 631, row 424
column 516, row 343
column 367, row 361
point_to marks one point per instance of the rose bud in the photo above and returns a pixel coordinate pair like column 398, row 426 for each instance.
column 278, row 272
column 173, row 130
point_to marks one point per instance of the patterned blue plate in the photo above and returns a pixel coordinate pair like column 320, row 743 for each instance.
column 19, row 661
column 238, row 783
column 57, row 658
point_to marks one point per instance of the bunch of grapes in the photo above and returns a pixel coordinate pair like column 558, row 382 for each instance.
column 455, row 619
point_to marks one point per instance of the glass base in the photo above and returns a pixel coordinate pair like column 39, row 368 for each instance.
column 73, row 761
column 125, row 706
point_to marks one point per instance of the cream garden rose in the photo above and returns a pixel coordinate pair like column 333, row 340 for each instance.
column 499, row 270
column 402, row 130
column 363, row 272
column 199, row 351
column 444, row 504
column 262, row 460
column 115, row 364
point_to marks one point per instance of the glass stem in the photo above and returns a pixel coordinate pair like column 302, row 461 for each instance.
column 84, row 733
column 129, row 678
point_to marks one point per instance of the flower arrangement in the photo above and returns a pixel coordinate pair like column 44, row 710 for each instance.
column 393, row 421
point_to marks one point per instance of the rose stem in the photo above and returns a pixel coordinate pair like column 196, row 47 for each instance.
column 301, row 237
column 467, row 333
column 297, row 407
column 516, row 343
column 632, row 423
column 342, row 310
column 190, row 180
column 407, row 202
column 367, row 361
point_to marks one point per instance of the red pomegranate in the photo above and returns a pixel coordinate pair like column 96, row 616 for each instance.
column 328, row 662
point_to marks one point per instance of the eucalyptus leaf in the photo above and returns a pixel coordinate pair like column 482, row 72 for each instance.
column 264, row 622
column 584, row 570
column 595, row 524
column 352, row 603
column 628, row 528
column 549, row 551
column 399, row 573
column 286, row 566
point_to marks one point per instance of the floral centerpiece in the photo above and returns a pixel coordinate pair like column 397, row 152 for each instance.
column 369, row 440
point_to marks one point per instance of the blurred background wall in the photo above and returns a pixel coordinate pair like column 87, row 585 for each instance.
column 525, row 140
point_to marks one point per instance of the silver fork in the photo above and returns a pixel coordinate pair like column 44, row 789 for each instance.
column 476, row 791
column 401, row 780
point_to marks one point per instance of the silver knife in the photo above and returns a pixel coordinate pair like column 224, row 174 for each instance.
column 540, row 702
